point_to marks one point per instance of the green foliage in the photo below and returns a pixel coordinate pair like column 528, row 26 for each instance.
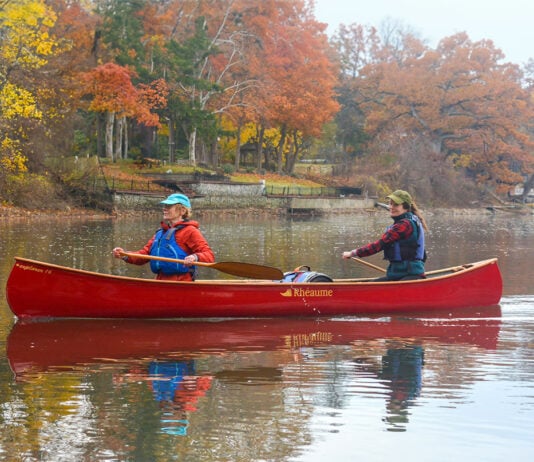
column 122, row 30
column 185, row 64
column 81, row 143
column 228, row 169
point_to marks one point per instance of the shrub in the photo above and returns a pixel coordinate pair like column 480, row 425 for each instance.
column 34, row 192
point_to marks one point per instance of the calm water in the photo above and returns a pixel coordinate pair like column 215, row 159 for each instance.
column 437, row 387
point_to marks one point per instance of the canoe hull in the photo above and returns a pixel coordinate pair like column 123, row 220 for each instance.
column 37, row 289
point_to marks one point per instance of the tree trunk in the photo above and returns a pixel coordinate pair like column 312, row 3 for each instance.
column 171, row 141
column 238, row 148
column 126, row 142
column 119, row 128
column 214, row 154
column 192, row 147
column 100, row 130
column 259, row 153
column 437, row 144
column 110, row 118
column 280, row 149
column 292, row 154
column 202, row 152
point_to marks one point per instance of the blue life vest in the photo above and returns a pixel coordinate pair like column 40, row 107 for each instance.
column 165, row 245
column 169, row 375
column 407, row 256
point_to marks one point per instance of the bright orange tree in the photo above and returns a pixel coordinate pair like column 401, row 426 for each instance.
column 295, row 77
column 470, row 107
column 113, row 93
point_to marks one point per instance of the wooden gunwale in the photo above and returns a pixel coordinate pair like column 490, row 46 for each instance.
column 443, row 273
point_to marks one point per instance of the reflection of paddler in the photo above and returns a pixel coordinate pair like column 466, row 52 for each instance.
column 190, row 390
column 176, row 381
column 166, row 376
column 178, row 389
column 402, row 368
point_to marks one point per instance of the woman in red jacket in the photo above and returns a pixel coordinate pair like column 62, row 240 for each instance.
column 178, row 238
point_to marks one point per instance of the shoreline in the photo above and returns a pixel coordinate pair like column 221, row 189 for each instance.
column 18, row 212
column 15, row 213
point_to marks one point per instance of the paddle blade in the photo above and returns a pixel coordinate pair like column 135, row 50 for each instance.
column 249, row 270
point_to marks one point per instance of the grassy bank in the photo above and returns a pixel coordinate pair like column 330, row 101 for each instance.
column 132, row 171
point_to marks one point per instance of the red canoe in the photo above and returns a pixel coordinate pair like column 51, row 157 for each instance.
column 37, row 289
column 66, row 343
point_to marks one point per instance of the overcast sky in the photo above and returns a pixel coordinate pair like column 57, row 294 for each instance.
column 508, row 23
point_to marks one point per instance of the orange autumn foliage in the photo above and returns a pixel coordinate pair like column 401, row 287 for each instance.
column 460, row 97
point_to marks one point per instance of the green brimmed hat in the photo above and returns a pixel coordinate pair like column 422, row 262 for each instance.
column 400, row 197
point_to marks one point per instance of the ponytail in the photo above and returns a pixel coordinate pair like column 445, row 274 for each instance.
column 415, row 210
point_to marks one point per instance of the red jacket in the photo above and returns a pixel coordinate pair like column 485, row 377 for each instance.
column 190, row 239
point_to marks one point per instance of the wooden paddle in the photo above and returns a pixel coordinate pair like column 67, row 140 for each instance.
column 370, row 265
column 245, row 270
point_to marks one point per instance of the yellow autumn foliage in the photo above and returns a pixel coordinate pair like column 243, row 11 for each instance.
column 12, row 160
column 25, row 37
column 26, row 45
column 249, row 133
column 461, row 160
column 16, row 101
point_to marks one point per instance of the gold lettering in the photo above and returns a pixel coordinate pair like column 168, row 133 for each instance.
column 299, row 292
column 30, row 268
column 301, row 340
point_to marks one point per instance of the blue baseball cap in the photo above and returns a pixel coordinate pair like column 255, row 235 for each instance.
column 177, row 199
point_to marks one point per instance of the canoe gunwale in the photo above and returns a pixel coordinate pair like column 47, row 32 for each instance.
column 442, row 273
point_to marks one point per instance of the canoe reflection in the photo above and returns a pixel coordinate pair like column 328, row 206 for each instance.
column 165, row 354
column 40, row 346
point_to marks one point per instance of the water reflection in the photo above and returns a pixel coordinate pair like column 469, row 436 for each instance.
column 177, row 389
column 182, row 363
column 38, row 346
column 287, row 389
column 402, row 371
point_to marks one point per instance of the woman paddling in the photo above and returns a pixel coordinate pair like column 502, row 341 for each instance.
column 178, row 238
column 403, row 242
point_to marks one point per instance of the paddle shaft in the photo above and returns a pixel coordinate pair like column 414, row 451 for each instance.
column 247, row 270
column 153, row 257
column 370, row 265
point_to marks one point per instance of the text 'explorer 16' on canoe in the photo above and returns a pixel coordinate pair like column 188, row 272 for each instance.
column 43, row 290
